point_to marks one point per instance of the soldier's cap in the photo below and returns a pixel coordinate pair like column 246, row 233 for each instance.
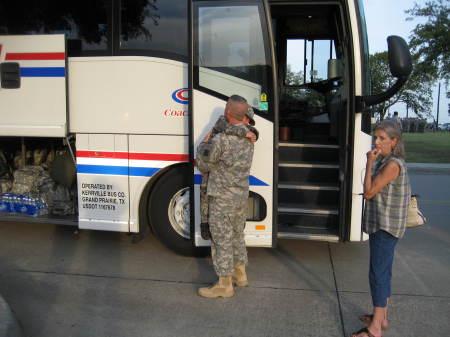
column 250, row 114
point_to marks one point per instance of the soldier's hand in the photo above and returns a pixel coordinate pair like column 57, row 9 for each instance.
column 250, row 135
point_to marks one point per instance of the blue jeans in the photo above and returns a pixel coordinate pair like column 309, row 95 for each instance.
column 382, row 248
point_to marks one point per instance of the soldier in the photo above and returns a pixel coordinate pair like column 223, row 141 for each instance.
column 227, row 159
column 222, row 125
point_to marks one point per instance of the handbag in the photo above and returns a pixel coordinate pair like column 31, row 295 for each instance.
column 415, row 216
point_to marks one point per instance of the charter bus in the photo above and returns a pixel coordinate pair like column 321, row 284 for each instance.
column 129, row 88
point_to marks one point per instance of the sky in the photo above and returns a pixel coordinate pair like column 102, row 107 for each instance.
column 387, row 17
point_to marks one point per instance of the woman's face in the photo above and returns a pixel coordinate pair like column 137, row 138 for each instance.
column 384, row 143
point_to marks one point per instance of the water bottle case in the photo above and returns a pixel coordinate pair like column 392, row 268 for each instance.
column 22, row 204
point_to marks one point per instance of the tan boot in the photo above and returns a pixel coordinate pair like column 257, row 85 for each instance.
column 240, row 276
column 223, row 288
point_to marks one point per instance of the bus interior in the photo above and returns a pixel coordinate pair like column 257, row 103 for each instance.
column 311, row 53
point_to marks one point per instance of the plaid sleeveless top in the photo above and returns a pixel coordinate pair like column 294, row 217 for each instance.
column 388, row 209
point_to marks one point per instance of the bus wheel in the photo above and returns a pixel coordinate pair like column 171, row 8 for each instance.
column 170, row 212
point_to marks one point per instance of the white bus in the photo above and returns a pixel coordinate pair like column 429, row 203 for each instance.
column 129, row 88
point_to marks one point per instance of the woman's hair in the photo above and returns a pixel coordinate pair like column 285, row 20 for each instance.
column 393, row 130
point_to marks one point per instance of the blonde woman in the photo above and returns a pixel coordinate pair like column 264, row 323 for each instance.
column 387, row 192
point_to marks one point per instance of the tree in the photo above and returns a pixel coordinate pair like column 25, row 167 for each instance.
column 430, row 41
column 416, row 93
column 293, row 78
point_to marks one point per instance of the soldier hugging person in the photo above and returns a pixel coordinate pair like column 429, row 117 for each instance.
column 224, row 158
column 247, row 131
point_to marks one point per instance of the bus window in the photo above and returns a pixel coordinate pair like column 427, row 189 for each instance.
column 86, row 24
column 154, row 28
column 307, row 60
column 231, row 48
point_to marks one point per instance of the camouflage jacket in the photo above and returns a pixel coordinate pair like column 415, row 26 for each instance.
column 239, row 130
column 227, row 158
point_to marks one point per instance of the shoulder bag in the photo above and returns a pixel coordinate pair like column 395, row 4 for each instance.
column 415, row 216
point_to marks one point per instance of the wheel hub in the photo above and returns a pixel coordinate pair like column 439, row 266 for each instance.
column 179, row 212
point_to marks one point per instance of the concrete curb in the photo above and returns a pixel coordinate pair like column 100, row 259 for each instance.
column 9, row 327
column 428, row 167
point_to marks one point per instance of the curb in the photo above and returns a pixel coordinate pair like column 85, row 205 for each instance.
column 428, row 167
column 9, row 327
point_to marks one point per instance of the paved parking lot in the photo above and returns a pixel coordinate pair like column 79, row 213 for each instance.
column 100, row 284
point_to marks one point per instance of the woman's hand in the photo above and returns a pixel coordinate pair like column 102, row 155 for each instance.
column 372, row 155
column 207, row 137
column 250, row 135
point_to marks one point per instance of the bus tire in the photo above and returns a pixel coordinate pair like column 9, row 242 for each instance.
column 168, row 215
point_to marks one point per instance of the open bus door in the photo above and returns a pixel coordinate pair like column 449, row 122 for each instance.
column 232, row 53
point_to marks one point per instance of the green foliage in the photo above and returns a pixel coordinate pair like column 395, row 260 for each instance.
column 416, row 93
column 428, row 147
column 293, row 78
column 430, row 41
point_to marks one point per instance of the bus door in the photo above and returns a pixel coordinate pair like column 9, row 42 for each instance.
column 231, row 54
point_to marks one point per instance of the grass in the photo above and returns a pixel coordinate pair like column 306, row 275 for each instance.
column 428, row 147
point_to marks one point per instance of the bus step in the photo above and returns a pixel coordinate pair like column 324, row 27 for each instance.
column 308, row 152
column 323, row 165
column 306, row 209
column 308, row 174
column 308, row 234
column 321, row 221
column 306, row 186
column 308, row 197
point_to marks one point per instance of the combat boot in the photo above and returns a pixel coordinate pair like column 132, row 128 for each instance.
column 223, row 288
column 240, row 276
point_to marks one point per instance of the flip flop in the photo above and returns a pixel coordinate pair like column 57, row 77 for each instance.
column 366, row 331
column 367, row 319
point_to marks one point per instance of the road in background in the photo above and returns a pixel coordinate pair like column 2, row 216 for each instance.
column 100, row 284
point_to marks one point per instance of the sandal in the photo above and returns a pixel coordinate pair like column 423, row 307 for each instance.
column 367, row 319
column 366, row 331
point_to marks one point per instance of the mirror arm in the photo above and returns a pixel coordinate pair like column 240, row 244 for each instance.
column 378, row 98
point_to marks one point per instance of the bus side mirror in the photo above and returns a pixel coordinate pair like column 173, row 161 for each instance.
column 399, row 57
column 400, row 65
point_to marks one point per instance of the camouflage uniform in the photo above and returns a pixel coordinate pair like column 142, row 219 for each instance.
column 227, row 159
column 221, row 126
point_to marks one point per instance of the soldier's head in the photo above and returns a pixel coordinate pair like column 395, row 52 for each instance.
column 236, row 109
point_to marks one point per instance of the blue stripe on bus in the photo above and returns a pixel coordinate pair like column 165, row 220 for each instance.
column 100, row 169
column 42, row 72
column 256, row 182
column 143, row 172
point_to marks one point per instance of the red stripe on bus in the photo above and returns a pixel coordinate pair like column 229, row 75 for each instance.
column 135, row 156
column 159, row 156
column 34, row 56
column 102, row 154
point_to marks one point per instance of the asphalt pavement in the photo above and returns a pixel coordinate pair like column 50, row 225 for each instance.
column 58, row 283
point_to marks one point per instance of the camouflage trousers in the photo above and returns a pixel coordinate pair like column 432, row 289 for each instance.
column 227, row 222
column 204, row 199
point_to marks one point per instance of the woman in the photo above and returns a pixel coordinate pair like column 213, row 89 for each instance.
column 387, row 193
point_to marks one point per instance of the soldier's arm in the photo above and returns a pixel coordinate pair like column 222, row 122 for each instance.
column 202, row 166
column 208, row 153
column 235, row 130
column 221, row 125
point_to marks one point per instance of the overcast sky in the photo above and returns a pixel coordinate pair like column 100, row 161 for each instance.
column 387, row 17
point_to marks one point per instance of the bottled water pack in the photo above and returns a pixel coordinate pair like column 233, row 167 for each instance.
column 22, row 204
